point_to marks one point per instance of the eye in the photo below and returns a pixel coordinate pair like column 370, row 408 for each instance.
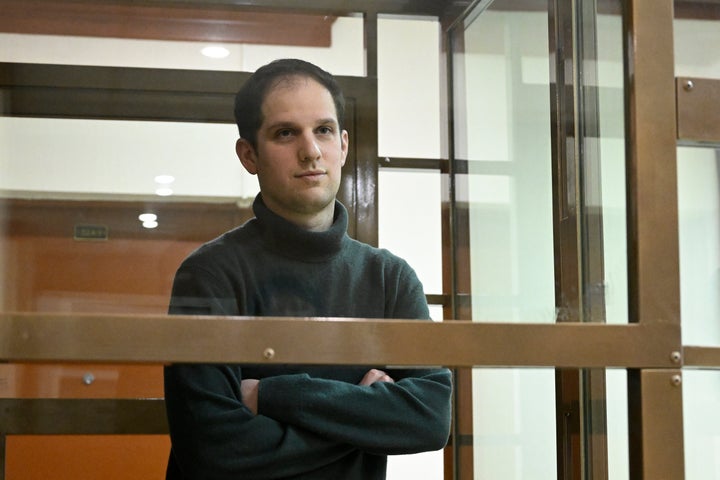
column 325, row 130
column 284, row 133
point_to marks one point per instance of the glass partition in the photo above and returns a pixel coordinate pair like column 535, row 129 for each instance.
column 410, row 199
column 502, row 141
column 699, row 219
column 701, row 393
column 514, row 424
column 698, row 178
column 699, row 187
column 539, row 170
column 503, row 178
column 96, row 215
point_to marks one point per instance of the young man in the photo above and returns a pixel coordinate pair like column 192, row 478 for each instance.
column 296, row 259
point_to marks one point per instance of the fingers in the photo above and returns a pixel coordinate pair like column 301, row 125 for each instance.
column 375, row 375
column 249, row 393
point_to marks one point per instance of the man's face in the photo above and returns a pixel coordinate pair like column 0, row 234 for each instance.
column 300, row 152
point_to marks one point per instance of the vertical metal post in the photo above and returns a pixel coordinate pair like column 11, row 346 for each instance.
column 371, row 43
column 654, row 279
column 655, row 396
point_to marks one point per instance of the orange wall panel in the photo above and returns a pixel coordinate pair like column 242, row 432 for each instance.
column 87, row 457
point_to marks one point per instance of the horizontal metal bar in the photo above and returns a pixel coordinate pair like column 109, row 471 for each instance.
column 701, row 357
column 438, row 299
column 331, row 341
column 440, row 164
column 55, row 416
column 416, row 7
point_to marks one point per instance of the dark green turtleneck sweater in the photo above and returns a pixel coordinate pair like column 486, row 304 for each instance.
column 312, row 422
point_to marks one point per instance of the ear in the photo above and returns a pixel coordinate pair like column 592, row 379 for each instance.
column 344, row 143
column 247, row 155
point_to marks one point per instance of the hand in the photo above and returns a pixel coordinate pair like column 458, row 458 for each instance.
column 249, row 393
column 375, row 375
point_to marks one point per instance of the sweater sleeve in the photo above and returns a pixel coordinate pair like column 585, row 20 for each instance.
column 409, row 416
column 214, row 436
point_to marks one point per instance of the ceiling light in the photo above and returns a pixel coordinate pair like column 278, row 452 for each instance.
column 150, row 224
column 164, row 191
column 147, row 217
column 215, row 51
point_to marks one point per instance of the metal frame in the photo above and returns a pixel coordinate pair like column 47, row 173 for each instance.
column 654, row 278
column 336, row 341
column 650, row 347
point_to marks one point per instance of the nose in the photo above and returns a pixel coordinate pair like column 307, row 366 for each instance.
column 309, row 150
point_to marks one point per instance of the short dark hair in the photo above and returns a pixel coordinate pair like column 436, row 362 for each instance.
column 249, row 100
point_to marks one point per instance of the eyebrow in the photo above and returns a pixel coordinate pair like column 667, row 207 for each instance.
column 287, row 124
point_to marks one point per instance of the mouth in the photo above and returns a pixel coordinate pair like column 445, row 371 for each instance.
column 311, row 174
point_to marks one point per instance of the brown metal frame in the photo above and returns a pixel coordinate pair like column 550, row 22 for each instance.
column 650, row 347
column 698, row 118
column 30, row 337
column 654, row 279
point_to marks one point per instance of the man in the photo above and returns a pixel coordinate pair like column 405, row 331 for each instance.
column 296, row 259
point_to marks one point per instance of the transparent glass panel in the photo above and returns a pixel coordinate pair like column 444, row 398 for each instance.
column 70, row 185
column 412, row 229
column 409, row 127
column 608, row 198
column 334, row 43
column 698, row 186
column 105, row 159
column 617, row 424
column 696, row 25
column 409, row 88
column 502, row 128
column 701, row 396
column 699, row 236
column 514, row 424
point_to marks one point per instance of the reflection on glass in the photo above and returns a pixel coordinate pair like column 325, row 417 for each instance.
column 334, row 43
column 86, row 224
column 701, row 396
column 103, row 159
column 81, row 158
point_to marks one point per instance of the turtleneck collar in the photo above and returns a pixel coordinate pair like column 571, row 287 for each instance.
column 287, row 239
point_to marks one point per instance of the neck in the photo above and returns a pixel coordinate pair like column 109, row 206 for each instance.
column 313, row 222
column 289, row 239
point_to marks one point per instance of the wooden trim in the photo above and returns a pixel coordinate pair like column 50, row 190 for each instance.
column 167, row 339
column 183, row 221
column 172, row 22
column 61, row 416
column 441, row 165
